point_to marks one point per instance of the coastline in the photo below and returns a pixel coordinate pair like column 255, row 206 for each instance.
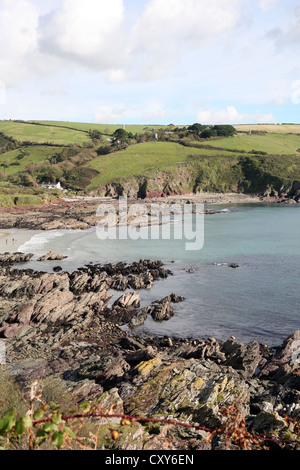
column 81, row 213
column 12, row 239
column 191, row 380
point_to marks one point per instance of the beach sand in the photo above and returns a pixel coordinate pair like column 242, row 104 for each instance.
column 12, row 239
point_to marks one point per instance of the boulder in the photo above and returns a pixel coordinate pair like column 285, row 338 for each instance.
column 131, row 299
column 52, row 256
column 7, row 259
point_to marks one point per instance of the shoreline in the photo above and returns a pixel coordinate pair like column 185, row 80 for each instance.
column 191, row 380
column 12, row 239
column 81, row 213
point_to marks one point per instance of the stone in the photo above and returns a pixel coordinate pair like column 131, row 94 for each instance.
column 52, row 256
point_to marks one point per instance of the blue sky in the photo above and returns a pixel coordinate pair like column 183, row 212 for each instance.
column 150, row 61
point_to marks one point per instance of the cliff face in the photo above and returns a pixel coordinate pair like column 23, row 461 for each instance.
column 238, row 175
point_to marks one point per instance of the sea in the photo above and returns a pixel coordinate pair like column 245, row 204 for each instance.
column 258, row 300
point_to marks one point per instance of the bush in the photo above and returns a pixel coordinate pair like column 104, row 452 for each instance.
column 10, row 393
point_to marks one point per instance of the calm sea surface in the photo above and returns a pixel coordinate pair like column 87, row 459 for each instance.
column 259, row 300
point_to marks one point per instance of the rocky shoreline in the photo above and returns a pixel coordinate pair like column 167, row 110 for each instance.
column 81, row 213
column 63, row 324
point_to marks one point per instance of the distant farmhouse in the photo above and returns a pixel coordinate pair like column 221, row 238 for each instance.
column 52, row 186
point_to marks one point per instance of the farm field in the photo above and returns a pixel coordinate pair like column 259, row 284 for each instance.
column 276, row 144
column 143, row 157
column 107, row 129
column 25, row 132
column 17, row 160
column 273, row 128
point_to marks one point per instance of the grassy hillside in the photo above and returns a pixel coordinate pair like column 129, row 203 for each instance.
column 25, row 132
column 14, row 161
column 141, row 158
column 180, row 162
column 107, row 129
column 272, row 128
column 275, row 143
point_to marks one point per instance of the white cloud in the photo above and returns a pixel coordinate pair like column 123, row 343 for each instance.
column 230, row 115
column 166, row 28
column 116, row 76
column 87, row 32
column 153, row 111
column 296, row 92
column 144, row 111
column 267, row 5
column 18, row 39
column 287, row 34
column 109, row 114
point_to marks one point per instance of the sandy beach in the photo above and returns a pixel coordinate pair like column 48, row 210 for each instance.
column 12, row 239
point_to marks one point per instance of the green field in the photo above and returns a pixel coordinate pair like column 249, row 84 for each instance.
column 24, row 132
column 13, row 162
column 140, row 158
column 272, row 128
column 108, row 129
column 178, row 163
column 276, row 144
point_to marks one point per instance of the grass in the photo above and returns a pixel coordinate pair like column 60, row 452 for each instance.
column 108, row 129
column 218, row 163
column 141, row 158
column 33, row 154
column 41, row 134
column 273, row 128
column 276, row 144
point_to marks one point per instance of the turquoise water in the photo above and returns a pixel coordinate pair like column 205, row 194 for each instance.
column 259, row 300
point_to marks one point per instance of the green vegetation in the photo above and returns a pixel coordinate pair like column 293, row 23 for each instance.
column 107, row 129
column 138, row 159
column 272, row 128
column 99, row 158
column 277, row 144
column 26, row 132
column 16, row 161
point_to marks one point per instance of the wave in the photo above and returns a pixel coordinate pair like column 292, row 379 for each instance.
column 37, row 242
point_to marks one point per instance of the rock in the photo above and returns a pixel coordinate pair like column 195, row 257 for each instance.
column 111, row 376
column 139, row 318
column 142, row 281
column 57, row 269
column 14, row 258
column 132, row 344
column 52, row 256
column 285, row 359
column 141, row 355
column 267, row 421
column 119, row 282
column 162, row 311
column 60, row 324
column 24, row 313
column 111, row 403
column 208, row 350
column 244, row 358
column 131, row 299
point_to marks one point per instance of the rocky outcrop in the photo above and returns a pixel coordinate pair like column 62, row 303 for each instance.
column 62, row 324
column 8, row 259
column 52, row 256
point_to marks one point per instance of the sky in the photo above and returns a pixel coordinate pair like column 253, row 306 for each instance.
column 150, row 61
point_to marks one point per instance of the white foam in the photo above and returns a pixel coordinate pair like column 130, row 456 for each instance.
column 37, row 242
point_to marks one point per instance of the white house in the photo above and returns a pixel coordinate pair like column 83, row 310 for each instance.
column 52, row 186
